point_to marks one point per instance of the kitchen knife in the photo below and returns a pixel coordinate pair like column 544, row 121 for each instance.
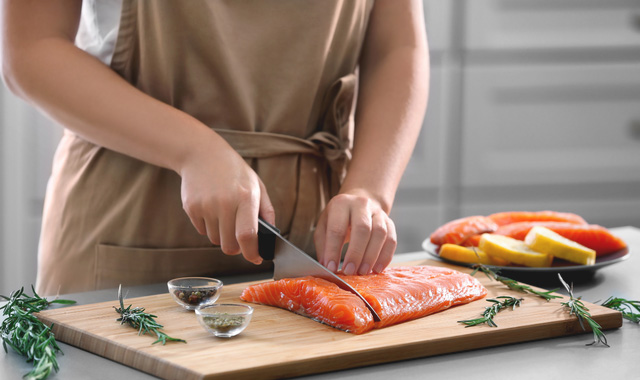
column 290, row 262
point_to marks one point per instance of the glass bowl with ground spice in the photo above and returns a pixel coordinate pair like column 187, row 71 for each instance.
column 195, row 292
column 225, row 320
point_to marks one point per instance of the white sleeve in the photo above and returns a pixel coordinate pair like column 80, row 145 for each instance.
column 98, row 29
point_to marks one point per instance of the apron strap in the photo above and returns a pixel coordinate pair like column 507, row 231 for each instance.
column 265, row 144
column 256, row 145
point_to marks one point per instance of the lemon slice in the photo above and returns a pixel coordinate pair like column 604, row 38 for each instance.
column 544, row 240
column 469, row 255
column 513, row 250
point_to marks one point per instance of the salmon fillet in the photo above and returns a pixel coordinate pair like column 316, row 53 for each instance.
column 508, row 217
column 457, row 231
column 398, row 294
column 591, row 236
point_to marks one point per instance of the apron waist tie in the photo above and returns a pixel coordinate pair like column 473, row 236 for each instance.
column 332, row 143
column 265, row 144
column 320, row 144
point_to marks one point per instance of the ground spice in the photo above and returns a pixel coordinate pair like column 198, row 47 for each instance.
column 224, row 322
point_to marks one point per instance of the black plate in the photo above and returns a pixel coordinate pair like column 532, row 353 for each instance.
column 574, row 271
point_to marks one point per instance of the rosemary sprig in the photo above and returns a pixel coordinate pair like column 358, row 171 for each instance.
column 513, row 284
column 626, row 307
column 492, row 311
column 143, row 322
column 576, row 307
column 27, row 335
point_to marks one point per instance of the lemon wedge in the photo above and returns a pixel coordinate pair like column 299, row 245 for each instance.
column 513, row 250
column 469, row 255
column 544, row 240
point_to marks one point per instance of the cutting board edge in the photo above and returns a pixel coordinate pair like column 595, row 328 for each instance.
column 124, row 354
column 414, row 350
column 607, row 318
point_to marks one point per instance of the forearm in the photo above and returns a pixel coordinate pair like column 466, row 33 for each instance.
column 90, row 99
column 220, row 193
column 392, row 101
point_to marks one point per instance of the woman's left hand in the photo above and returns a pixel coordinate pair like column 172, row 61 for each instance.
column 357, row 218
column 392, row 97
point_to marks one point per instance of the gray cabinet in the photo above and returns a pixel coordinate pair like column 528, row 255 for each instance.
column 534, row 104
column 551, row 124
column 27, row 146
column 512, row 25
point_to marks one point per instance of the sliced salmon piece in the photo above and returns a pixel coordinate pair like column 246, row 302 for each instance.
column 398, row 294
column 316, row 298
column 591, row 236
column 459, row 230
column 508, row 217
column 472, row 241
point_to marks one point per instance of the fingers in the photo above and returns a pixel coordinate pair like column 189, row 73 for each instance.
column 335, row 235
column 371, row 234
column 247, row 226
column 381, row 245
column 359, row 239
column 377, row 240
column 228, row 215
column 388, row 248
column 212, row 231
column 319, row 237
column 266, row 208
column 204, row 227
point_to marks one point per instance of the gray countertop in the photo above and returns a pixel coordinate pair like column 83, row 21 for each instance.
column 558, row 358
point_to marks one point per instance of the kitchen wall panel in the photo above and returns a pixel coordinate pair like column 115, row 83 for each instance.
column 552, row 24
column 537, row 105
column 438, row 16
column 28, row 144
column 551, row 124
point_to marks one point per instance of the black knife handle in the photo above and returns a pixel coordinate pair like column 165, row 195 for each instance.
column 266, row 239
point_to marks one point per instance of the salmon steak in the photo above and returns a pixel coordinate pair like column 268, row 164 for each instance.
column 398, row 294
column 591, row 236
column 508, row 217
column 459, row 230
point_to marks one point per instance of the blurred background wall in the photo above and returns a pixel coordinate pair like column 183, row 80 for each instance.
column 534, row 104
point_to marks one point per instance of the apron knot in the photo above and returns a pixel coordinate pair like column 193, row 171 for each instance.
column 336, row 151
column 333, row 141
column 318, row 180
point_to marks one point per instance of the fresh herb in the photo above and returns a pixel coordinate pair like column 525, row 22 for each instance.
column 513, row 284
column 626, row 307
column 576, row 307
column 27, row 335
column 143, row 322
column 499, row 303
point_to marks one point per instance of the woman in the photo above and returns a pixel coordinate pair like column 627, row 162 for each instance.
column 185, row 121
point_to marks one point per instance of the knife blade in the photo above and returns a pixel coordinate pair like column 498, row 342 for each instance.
column 290, row 262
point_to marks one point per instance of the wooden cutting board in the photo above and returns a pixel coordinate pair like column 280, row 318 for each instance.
column 280, row 344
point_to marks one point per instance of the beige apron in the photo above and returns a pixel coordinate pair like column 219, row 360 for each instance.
column 275, row 78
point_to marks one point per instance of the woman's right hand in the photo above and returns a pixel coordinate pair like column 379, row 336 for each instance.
column 223, row 197
column 221, row 194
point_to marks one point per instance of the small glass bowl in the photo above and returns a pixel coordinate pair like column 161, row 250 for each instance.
column 195, row 292
column 225, row 320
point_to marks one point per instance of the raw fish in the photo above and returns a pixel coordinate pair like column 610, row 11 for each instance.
column 508, row 217
column 398, row 294
column 591, row 236
column 457, row 231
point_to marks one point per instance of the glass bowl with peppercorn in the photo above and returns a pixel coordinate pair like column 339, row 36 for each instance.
column 225, row 320
column 194, row 293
